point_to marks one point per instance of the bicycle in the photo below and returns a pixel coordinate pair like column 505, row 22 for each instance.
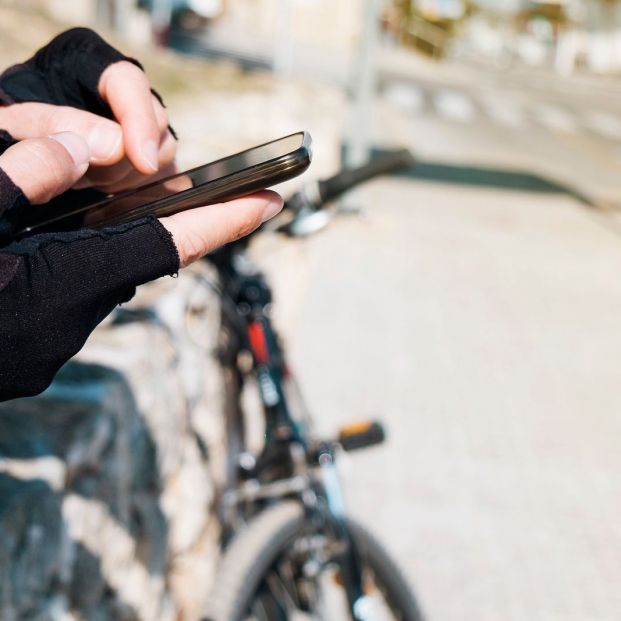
column 289, row 546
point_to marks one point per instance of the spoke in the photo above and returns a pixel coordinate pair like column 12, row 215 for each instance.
column 289, row 593
column 285, row 571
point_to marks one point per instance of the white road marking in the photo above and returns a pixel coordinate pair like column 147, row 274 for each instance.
column 605, row 124
column 555, row 118
column 407, row 97
column 454, row 105
column 503, row 111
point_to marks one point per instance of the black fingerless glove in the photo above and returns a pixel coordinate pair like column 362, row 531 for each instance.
column 55, row 288
column 65, row 72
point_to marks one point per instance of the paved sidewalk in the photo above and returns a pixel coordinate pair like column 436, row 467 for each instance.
column 483, row 328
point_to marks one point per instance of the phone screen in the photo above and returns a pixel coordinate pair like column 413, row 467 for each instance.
column 112, row 206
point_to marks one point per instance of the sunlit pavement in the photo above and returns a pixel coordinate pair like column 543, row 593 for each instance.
column 482, row 326
column 565, row 130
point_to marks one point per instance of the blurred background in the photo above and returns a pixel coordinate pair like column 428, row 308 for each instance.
column 472, row 303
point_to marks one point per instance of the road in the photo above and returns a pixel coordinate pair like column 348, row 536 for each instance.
column 566, row 130
column 482, row 325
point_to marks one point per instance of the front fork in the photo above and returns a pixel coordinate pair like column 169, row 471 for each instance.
column 349, row 560
column 269, row 367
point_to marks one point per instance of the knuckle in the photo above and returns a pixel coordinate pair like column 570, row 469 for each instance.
column 193, row 247
column 22, row 120
column 51, row 119
column 64, row 118
column 248, row 222
column 49, row 169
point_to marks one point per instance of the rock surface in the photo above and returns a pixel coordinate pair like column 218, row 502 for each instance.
column 107, row 479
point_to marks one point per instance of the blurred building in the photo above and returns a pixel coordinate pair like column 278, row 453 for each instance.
column 583, row 33
column 593, row 38
column 296, row 35
column 565, row 34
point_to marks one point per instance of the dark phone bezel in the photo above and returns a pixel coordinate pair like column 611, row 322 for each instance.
column 228, row 187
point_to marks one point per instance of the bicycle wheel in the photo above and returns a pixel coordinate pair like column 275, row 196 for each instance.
column 280, row 569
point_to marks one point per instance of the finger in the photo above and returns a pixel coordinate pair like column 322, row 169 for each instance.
column 33, row 120
column 103, row 177
column 126, row 90
column 197, row 232
column 123, row 175
column 45, row 167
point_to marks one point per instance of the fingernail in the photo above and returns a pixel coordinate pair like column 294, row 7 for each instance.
column 104, row 140
column 271, row 209
column 150, row 152
column 76, row 146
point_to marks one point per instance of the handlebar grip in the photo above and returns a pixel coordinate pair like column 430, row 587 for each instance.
column 332, row 188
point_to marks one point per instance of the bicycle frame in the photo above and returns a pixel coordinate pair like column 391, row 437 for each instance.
column 290, row 459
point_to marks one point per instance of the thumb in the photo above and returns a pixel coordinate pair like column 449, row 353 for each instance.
column 32, row 120
column 44, row 167
column 197, row 232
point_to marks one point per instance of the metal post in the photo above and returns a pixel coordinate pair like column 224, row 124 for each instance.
column 104, row 10
column 282, row 61
column 121, row 17
column 114, row 14
column 364, row 86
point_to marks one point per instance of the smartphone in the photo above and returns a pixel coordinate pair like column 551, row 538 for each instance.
column 225, row 179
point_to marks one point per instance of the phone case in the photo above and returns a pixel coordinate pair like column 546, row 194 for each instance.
column 229, row 187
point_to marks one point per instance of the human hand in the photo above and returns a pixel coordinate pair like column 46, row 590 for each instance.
column 45, row 167
column 122, row 153
column 196, row 232
column 147, row 142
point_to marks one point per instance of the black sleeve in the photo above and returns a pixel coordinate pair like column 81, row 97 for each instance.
column 56, row 287
column 65, row 72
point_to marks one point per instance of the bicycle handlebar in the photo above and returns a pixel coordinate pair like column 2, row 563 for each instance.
column 333, row 187
column 305, row 206
column 313, row 196
column 316, row 194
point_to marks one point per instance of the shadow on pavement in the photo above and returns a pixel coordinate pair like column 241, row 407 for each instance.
column 498, row 178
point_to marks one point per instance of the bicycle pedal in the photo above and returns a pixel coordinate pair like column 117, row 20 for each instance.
column 361, row 435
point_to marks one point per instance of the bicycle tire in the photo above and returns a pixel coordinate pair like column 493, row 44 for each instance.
column 254, row 551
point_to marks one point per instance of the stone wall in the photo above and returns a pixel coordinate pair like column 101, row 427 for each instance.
column 107, row 479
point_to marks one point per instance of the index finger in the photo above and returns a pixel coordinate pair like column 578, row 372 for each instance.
column 125, row 88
